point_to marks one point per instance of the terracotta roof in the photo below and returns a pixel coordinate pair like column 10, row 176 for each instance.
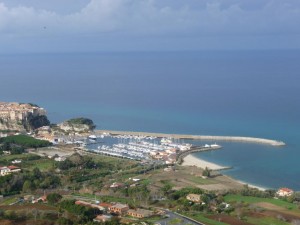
column 286, row 189
column 13, row 167
column 105, row 205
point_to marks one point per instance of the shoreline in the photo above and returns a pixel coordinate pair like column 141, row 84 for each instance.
column 191, row 160
column 198, row 137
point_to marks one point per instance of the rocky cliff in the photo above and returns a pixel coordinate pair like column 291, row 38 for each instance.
column 76, row 125
column 22, row 117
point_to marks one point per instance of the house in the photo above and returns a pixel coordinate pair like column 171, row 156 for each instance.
column 119, row 208
column 194, row 198
column 116, row 185
column 140, row 213
column 40, row 199
column 4, row 171
column 102, row 218
column 28, row 198
column 283, row 192
column 105, row 205
column 60, row 159
column 14, row 169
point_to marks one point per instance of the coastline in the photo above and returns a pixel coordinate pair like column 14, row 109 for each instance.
column 198, row 137
column 191, row 160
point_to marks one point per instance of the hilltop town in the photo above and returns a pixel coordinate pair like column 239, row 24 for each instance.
column 21, row 116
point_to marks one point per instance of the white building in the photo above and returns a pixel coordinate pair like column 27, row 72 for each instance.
column 284, row 192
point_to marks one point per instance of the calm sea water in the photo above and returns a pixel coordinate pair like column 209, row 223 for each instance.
column 243, row 93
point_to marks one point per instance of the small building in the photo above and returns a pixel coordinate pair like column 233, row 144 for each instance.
column 14, row 169
column 284, row 192
column 116, row 185
column 4, row 171
column 194, row 198
column 119, row 208
column 102, row 218
column 60, row 159
column 40, row 199
column 28, row 198
column 140, row 213
column 16, row 161
column 105, row 205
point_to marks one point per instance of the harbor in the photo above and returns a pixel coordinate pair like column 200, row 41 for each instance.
column 152, row 149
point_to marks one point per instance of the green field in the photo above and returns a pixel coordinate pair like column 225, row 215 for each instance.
column 199, row 180
column 266, row 221
column 43, row 164
column 249, row 199
column 9, row 200
column 9, row 158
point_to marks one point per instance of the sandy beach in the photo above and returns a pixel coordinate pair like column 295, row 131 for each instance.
column 191, row 160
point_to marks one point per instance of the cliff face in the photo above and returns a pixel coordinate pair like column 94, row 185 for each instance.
column 22, row 117
column 8, row 124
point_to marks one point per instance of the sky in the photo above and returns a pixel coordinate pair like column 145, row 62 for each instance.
column 148, row 25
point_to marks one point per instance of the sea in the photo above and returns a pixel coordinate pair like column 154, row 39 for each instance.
column 240, row 93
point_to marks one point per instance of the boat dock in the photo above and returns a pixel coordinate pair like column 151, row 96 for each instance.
column 197, row 137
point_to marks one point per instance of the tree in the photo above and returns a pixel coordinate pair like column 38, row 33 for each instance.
column 36, row 173
column 54, row 198
column 27, row 186
column 166, row 188
column 206, row 172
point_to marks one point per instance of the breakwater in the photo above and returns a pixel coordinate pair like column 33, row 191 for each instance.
column 197, row 137
column 182, row 154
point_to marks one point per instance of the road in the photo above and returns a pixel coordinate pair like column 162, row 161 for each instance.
column 173, row 216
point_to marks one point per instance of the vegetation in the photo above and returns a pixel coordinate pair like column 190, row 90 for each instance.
column 27, row 182
column 53, row 198
column 82, row 120
column 251, row 199
column 83, row 213
column 34, row 122
column 206, row 172
column 22, row 142
column 89, row 178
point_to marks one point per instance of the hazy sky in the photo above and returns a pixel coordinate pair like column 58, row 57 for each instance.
column 117, row 25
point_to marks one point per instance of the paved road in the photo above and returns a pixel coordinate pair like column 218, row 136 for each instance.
column 172, row 216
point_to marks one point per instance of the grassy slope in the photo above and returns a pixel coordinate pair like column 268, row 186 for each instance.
column 249, row 199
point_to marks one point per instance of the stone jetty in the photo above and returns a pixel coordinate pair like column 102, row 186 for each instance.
column 198, row 137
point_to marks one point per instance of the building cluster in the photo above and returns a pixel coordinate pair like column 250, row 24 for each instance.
column 6, row 170
column 168, row 156
column 116, row 209
column 19, row 111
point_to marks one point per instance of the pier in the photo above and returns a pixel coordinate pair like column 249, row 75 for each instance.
column 197, row 137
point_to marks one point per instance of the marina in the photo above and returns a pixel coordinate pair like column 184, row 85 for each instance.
column 165, row 150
